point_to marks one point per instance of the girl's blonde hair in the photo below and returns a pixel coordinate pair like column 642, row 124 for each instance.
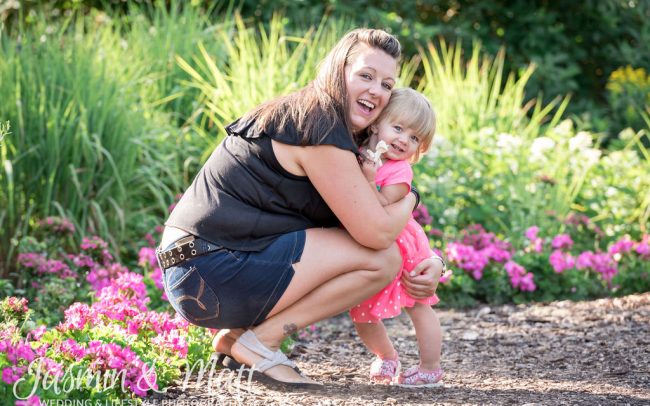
column 413, row 110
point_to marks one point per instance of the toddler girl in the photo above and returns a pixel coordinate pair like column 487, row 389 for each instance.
column 406, row 127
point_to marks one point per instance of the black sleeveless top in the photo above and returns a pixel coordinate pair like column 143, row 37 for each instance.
column 243, row 199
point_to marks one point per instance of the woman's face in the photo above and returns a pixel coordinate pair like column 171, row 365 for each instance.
column 369, row 79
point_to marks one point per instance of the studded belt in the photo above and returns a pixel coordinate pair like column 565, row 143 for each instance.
column 185, row 248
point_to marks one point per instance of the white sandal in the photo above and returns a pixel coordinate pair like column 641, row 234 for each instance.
column 269, row 360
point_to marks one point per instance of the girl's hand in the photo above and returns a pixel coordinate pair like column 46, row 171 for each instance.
column 422, row 281
column 368, row 167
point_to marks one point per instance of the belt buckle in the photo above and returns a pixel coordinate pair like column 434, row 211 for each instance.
column 185, row 240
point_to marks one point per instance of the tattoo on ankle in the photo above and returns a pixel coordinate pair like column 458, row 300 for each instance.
column 290, row 329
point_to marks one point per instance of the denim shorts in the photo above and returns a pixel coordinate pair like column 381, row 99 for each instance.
column 233, row 289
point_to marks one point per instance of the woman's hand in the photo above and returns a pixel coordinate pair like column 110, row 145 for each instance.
column 422, row 281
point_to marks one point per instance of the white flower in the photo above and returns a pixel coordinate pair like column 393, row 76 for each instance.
column 581, row 141
column 564, row 128
column 486, row 131
column 542, row 144
column 508, row 141
column 627, row 134
column 592, row 156
column 539, row 147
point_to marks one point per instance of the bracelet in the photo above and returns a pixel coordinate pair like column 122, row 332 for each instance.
column 444, row 264
column 417, row 197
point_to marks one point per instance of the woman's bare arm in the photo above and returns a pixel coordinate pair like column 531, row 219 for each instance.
column 336, row 175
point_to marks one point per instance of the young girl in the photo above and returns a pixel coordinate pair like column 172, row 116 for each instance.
column 406, row 126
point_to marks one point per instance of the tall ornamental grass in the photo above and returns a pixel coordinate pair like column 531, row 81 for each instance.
column 76, row 125
column 257, row 65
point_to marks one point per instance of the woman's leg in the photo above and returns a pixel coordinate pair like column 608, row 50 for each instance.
column 428, row 333
column 334, row 274
column 225, row 338
column 375, row 337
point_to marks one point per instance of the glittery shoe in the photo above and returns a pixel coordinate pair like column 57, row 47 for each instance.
column 384, row 370
column 415, row 377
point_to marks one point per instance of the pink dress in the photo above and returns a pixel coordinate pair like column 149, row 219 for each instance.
column 414, row 247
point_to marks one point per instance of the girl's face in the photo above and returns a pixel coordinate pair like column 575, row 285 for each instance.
column 402, row 141
column 369, row 79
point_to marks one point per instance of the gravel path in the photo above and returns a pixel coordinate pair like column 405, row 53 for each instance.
column 586, row 353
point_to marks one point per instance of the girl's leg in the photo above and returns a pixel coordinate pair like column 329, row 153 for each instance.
column 428, row 333
column 334, row 274
column 375, row 337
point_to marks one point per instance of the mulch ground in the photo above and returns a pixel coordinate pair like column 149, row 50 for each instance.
column 584, row 353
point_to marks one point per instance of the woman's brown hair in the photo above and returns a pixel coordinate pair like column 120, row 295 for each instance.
column 318, row 107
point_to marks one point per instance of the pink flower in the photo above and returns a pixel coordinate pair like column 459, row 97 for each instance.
column 100, row 278
column 422, row 216
column 531, row 233
column 57, row 225
column 38, row 332
column 622, row 246
column 33, row 400
column 526, row 284
column 585, row 260
column 600, row 262
column 519, row 278
column 12, row 374
column 643, row 247
column 77, row 317
column 562, row 241
column 561, row 261
column 147, row 256
column 467, row 258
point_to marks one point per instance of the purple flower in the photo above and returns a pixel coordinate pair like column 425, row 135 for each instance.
column 33, row 400
column 531, row 233
column 561, row 261
column 519, row 278
column 643, row 247
column 421, row 215
column 562, row 241
column 622, row 246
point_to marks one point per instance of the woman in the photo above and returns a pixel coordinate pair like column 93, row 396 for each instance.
column 254, row 244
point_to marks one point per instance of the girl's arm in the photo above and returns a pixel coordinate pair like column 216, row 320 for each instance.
column 390, row 194
column 338, row 178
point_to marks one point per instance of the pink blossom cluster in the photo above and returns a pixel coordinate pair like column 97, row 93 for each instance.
column 169, row 332
column 626, row 245
column 33, row 400
column 57, row 225
column 562, row 241
column 600, row 262
column 536, row 243
column 100, row 277
column 19, row 356
column 467, row 258
column 519, row 278
column 124, row 298
column 422, row 216
column 561, row 261
column 97, row 249
column 14, row 306
column 106, row 356
column 41, row 265
column 476, row 249
column 147, row 259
